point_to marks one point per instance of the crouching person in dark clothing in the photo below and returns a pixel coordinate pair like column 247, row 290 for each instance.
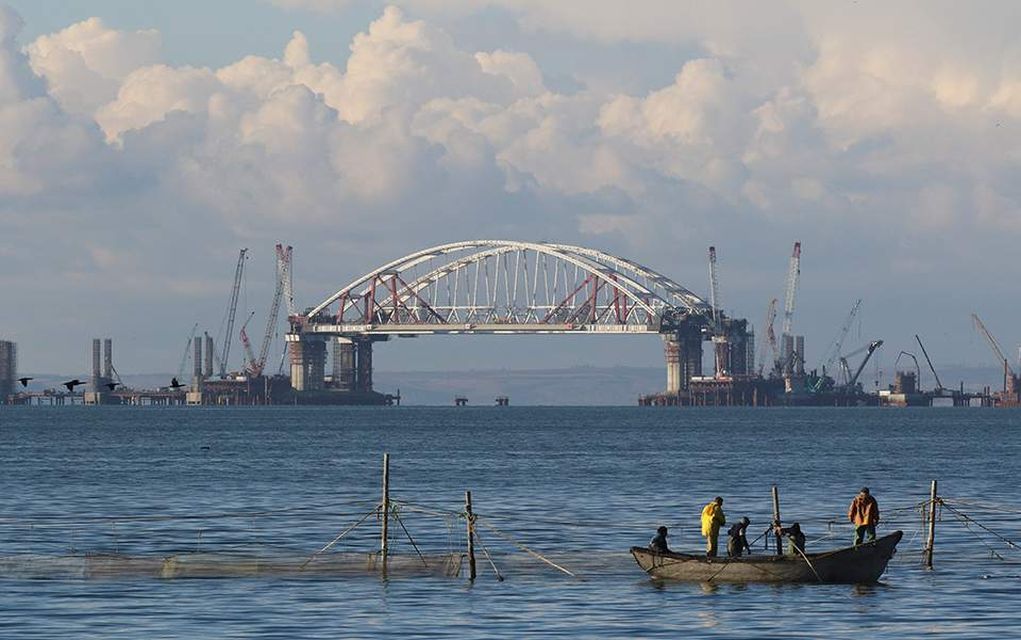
column 737, row 540
column 795, row 539
column 658, row 543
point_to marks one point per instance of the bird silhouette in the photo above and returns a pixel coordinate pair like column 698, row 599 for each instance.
column 24, row 381
column 71, row 384
column 174, row 384
column 112, row 385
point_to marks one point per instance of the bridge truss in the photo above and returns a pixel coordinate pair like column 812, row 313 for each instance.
column 506, row 287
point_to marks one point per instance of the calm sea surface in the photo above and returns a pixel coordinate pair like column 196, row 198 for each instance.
column 578, row 485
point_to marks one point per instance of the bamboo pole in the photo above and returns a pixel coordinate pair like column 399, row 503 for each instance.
column 776, row 520
column 930, row 542
column 470, row 525
column 384, row 540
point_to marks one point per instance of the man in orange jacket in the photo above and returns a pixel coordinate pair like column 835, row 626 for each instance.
column 864, row 514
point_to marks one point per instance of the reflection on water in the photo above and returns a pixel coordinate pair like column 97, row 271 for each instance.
column 579, row 486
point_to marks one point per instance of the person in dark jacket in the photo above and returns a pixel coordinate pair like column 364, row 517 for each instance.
column 795, row 539
column 658, row 543
column 737, row 540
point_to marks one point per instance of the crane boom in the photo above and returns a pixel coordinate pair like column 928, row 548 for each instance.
column 838, row 343
column 251, row 364
column 283, row 261
column 286, row 278
column 793, row 276
column 770, row 336
column 875, row 344
column 187, row 352
column 714, row 288
column 993, row 344
column 939, row 385
column 239, row 271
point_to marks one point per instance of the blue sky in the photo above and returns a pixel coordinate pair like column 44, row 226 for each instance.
column 145, row 142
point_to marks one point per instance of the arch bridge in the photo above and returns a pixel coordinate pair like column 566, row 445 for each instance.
column 505, row 287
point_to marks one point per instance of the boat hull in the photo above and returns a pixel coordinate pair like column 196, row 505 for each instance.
column 863, row 564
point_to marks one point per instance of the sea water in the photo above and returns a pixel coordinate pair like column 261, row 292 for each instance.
column 576, row 485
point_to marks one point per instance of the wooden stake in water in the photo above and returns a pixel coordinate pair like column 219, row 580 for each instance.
column 776, row 520
column 384, row 542
column 930, row 542
column 469, row 518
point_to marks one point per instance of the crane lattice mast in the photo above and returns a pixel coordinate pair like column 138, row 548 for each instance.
column 239, row 272
column 793, row 276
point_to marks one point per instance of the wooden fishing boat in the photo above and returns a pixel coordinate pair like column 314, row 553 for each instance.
column 862, row 564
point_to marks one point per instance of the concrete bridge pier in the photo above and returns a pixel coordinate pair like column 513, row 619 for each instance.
column 363, row 379
column 344, row 370
column 683, row 350
column 308, row 363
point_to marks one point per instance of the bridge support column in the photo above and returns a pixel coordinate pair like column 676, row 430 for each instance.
column 363, row 379
column 308, row 364
column 683, row 350
column 344, row 372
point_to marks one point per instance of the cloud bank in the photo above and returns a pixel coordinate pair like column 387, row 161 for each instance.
column 892, row 151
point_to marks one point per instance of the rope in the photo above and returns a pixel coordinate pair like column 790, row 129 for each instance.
column 339, row 536
column 968, row 520
column 412, row 540
column 492, row 564
column 525, row 549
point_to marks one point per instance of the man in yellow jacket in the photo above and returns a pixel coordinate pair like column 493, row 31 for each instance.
column 712, row 520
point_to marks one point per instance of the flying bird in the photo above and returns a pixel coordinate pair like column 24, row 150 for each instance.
column 24, row 381
column 71, row 384
column 174, row 384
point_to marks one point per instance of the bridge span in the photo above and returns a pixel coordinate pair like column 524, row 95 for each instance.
column 508, row 287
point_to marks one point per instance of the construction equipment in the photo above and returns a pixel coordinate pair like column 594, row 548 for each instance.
column 852, row 380
column 993, row 344
column 833, row 351
column 719, row 338
column 285, row 276
column 793, row 277
column 770, row 337
column 251, row 365
column 714, row 288
column 939, row 385
column 1008, row 372
column 918, row 370
column 239, row 272
column 187, row 352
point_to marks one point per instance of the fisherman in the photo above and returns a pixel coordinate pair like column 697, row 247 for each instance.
column 864, row 514
column 712, row 519
column 737, row 540
column 658, row 543
column 795, row 539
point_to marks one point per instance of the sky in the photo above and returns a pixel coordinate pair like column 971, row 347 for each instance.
column 142, row 144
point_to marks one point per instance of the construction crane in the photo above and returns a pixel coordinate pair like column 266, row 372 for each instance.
column 852, row 380
column 770, row 336
column 793, row 276
column 719, row 338
column 187, row 352
column 250, row 363
column 232, row 308
column 993, row 344
column 833, row 352
column 939, row 385
column 714, row 288
column 285, row 276
column 283, row 269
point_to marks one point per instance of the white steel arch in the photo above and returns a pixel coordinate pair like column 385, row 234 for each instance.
column 505, row 286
